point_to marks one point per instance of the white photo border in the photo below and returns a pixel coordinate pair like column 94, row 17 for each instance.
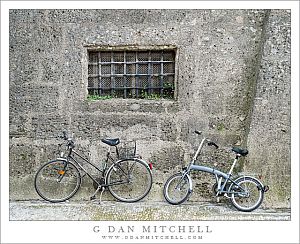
column 92, row 231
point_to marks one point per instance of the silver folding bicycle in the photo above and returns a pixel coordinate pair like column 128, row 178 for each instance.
column 246, row 193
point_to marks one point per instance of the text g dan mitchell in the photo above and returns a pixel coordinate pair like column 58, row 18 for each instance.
column 153, row 229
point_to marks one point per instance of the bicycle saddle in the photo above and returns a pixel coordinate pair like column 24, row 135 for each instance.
column 241, row 151
column 111, row 142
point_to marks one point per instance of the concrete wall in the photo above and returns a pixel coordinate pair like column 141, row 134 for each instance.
column 224, row 63
column 269, row 134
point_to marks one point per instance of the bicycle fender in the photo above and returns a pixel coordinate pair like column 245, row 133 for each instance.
column 145, row 163
column 137, row 159
column 261, row 184
column 62, row 159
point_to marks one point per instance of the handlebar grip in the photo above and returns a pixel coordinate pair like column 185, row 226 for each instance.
column 211, row 143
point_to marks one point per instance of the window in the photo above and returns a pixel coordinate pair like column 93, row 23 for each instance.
column 132, row 74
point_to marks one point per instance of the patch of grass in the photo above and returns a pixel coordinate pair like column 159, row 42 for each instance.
column 97, row 97
column 144, row 94
column 167, row 94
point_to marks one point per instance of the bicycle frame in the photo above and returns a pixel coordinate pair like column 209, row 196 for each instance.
column 120, row 176
column 217, row 173
column 245, row 192
column 102, row 171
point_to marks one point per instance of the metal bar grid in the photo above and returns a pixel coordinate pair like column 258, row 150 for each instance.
column 132, row 74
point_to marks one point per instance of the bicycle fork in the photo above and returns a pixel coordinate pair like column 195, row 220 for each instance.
column 186, row 174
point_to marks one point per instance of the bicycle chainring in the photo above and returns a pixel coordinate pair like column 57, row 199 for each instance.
column 215, row 188
column 100, row 180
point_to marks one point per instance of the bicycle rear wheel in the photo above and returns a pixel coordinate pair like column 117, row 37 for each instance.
column 129, row 180
column 248, row 199
column 57, row 181
column 177, row 189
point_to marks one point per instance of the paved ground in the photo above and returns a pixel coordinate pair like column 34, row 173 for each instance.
column 112, row 210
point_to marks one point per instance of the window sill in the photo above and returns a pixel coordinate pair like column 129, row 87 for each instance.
column 133, row 105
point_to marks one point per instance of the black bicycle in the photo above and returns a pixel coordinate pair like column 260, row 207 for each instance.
column 128, row 179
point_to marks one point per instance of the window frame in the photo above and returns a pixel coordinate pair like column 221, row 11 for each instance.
column 137, row 49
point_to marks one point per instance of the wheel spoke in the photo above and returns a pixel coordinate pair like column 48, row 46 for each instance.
column 134, row 180
column 57, row 182
column 250, row 197
column 177, row 189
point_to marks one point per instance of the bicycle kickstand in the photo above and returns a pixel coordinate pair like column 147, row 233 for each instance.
column 93, row 197
column 102, row 190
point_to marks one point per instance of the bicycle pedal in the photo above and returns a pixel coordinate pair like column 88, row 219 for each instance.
column 92, row 198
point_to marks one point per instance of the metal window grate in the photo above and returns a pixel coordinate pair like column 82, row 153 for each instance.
column 132, row 74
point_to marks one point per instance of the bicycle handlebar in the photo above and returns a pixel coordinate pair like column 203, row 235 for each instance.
column 70, row 142
column 211, row 143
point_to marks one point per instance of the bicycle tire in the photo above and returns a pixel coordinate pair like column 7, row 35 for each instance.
column 57, row 181
column 254, row 197
column 171, row 193
column 129, row 180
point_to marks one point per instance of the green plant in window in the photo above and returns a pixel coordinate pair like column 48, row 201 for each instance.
column 168, row 85
column 98, row 97
column 168, row 90
column 153, row 96
column 144, row 93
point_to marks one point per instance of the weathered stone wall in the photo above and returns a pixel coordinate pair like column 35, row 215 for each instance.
column 219, row 66
column 269, row 138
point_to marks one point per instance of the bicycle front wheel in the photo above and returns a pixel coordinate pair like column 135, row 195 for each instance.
column 177, row 189
column 247, row 195
column 57, row 181
column 129, row 180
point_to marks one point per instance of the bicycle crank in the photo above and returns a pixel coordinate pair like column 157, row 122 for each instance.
column 100, row 180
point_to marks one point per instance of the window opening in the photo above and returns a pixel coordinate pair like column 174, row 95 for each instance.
column 132, row 74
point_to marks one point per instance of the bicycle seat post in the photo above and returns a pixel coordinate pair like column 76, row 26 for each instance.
column 233, row 164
